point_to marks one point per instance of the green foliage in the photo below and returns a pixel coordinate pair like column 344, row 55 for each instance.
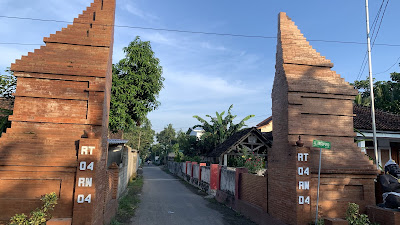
column 38, row 216
column 192, row 159
column 237, row 161
column 167, row 137
column 4, row 123
column 140, row 138
column 219, row 129
column 188, row 143
column 136, row 83
column 115, row 222
column 386, row 93
column 254, row 164
column 167, row 140
column 129, row 202
column 319, row 222
column 251, row 161
column 8, row 84
column 155, row 150
column 354, row 217
column 179, row 157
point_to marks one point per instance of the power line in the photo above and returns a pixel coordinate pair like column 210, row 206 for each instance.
column 14, row 43
column 388, row 68
column 361, row 71
column 191, row 32
column 364, row 63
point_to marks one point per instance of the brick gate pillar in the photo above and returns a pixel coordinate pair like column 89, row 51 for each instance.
column 86, row 191
column 311, row 100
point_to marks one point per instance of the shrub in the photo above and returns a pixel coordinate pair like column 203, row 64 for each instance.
column 354, row 217
column 40, row 215
column 254, row 164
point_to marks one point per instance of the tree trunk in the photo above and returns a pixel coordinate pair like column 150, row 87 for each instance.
column 140, row 133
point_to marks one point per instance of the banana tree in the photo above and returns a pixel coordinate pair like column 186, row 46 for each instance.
column 219, row 128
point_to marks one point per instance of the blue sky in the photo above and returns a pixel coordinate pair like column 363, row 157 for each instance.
column 208, row 73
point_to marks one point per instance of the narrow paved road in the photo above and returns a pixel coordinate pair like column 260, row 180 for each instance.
column 166, row 200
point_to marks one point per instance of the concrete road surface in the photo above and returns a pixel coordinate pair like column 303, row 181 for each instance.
column 166, row 200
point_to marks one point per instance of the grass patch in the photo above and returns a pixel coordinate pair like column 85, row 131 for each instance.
column 129, row 202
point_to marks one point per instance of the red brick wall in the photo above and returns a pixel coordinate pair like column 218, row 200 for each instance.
column 63, row 89
column 253, row 189
column 311, row 100
column 383, row 216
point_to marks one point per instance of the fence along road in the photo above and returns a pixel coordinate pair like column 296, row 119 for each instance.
column 166, row 200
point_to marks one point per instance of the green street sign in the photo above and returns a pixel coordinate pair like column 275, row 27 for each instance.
column 321, row 144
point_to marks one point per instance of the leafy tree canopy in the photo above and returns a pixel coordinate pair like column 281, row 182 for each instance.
column 218, row 129
column 137, row 81
column 141, row 138
column 188, row 143
column 387, row 93
column 167, row 137
column 8, row 85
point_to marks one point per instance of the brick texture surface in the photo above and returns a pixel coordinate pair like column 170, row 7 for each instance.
column 383, row 216
column 253, row 189
column 63, row 89
column 311, row 100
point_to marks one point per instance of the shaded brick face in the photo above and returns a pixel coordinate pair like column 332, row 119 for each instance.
column 311, row 100
column 63, row 89
column 253, row 189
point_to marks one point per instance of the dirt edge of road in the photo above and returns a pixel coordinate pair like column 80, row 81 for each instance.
column 129, row 202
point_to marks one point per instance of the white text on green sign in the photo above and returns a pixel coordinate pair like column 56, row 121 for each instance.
column 321, row 144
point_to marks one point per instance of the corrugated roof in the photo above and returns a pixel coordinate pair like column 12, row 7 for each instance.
column 117, row 141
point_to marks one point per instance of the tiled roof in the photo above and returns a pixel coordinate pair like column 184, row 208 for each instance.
column 264, row 122
column 234, row 139
column 384, row 121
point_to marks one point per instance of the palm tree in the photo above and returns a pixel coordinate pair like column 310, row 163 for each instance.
column 220, row 128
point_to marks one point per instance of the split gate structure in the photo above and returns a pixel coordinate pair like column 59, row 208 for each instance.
column 63, row 89
column 311, row 100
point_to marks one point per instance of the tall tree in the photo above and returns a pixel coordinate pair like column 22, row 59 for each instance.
column 387, row 93
column 141, row 138
column 218, row 129
column 137, row 81
column 188, row 143
column 167, row 137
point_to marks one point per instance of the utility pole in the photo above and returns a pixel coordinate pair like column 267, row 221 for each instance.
column 371, row 86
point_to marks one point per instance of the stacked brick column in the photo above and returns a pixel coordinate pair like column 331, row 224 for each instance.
column 63, row 89
column 311, row 100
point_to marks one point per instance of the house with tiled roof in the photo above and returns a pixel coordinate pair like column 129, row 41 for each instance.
column 387, row 132
column 265, row 125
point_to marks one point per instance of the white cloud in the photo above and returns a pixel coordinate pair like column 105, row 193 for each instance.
column 207, row 85
column 139, row 13
column 209, row 46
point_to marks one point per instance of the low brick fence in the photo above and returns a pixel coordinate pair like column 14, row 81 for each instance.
column 252, row 189
column 245, row 193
